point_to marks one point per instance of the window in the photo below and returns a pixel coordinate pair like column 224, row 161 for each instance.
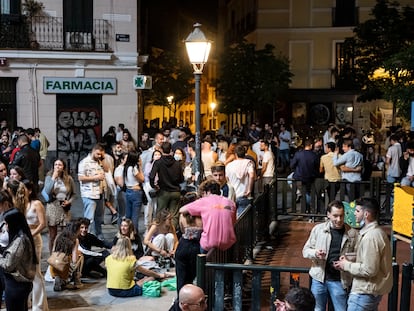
column 345, row 13
column 78, row 15
column 8, row 101
column 10, row 7
column 343, row 72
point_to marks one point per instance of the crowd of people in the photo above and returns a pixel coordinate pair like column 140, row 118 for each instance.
column 182, row 218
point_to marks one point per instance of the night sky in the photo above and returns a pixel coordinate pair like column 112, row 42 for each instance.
column 170, row 21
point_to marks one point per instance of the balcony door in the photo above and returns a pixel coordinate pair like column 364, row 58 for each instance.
column 78, row 15
column 78, row 25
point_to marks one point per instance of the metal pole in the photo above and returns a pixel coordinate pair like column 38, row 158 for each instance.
column 198, row 163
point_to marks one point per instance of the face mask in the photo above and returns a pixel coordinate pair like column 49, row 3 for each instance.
column 362, row 223
column 178, row 157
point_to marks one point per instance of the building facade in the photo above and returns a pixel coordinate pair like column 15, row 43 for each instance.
column 68, row 69
column 311, row 34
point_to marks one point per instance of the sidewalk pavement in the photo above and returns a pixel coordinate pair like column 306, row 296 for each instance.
column 94, row 295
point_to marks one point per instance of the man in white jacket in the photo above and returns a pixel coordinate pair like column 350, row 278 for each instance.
column 326, row 243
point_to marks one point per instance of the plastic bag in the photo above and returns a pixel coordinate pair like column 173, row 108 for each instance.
column 151, row 289
column 170, row 284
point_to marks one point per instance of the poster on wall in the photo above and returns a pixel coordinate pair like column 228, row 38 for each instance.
column 79, row 120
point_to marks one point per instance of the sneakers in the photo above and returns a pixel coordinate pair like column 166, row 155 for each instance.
column 58, row 287
column 114, row 218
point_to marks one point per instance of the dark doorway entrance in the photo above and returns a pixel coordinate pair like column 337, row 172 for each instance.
column 79, row 126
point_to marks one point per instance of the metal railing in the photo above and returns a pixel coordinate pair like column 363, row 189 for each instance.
column 292, row 196
column 49, row 33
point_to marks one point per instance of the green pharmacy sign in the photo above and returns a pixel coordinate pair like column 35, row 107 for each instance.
column 141, row 82
column 53, row 85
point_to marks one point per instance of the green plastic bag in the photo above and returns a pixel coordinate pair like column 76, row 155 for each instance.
column 170, row 284
column 151, row 289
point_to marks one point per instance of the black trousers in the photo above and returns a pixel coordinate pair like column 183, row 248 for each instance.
column 186, row 261
column 16, row 293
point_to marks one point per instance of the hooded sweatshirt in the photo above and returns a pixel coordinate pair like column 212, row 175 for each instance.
column 170, row 174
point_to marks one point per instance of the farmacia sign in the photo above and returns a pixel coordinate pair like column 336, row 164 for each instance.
column 53, row 85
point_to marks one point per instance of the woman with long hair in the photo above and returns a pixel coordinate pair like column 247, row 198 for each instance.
column 60, row 191
column 161, row 238
column 16, row 172
column 6, row 203
column 67, row 242
column 133, row 177
column 126, row 229
column 151, row 207
column 18, row 261
column 36, row 219
column 19, row 194
column 121, row 266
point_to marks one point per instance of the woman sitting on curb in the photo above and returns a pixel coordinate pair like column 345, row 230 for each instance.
column 161, row 238
column 121, row 266
column 68, row 243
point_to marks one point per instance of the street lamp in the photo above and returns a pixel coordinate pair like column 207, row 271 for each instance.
column 212, row 107
column 198, row 48
column 170, row 99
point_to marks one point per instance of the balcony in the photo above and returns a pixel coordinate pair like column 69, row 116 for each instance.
column 47, row 33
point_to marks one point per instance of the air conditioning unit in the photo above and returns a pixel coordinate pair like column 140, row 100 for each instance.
column 75, row 40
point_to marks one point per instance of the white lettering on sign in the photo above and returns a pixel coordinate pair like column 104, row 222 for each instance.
column 79, row 85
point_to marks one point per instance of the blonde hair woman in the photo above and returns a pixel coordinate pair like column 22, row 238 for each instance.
column 121, row 266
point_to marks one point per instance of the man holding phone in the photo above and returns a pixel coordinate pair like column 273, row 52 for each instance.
column 326, row 243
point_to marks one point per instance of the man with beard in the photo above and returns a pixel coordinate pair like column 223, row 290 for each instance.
column 372, row 269
column 326, row 243
column 91, row 176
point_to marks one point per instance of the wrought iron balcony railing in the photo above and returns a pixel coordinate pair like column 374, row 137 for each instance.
column 48, row 33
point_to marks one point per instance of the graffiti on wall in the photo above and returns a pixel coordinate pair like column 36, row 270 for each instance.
column 78, row 130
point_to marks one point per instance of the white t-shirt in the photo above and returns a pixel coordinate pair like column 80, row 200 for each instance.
column 269, row 159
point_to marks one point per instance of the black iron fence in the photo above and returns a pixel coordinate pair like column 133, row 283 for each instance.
column 49, row 33
column 228, row 274
column 294, row 199
column 246, row 291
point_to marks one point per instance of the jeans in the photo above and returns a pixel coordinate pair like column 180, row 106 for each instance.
column 334, row 289
column 363, row 302
column 120, row 199
column 93, row 209
column 132, row 292
column 242, row 204
column 133, row 205
column 16, row 293
column 284, row 155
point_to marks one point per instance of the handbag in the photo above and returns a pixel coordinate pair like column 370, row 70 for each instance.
column 58, row 260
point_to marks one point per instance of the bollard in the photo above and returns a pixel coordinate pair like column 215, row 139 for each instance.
column 393, row 295
column 201, row 271
column 407, row 270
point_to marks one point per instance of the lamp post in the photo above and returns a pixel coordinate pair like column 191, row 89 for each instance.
column 198, row 48
column 212, row 107
column 170, row 99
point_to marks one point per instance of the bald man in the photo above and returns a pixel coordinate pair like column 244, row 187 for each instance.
column 190, row 298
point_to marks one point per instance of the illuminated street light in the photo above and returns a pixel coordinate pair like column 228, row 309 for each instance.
column 198, row 48
column 170, row 99
column 212, row 107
